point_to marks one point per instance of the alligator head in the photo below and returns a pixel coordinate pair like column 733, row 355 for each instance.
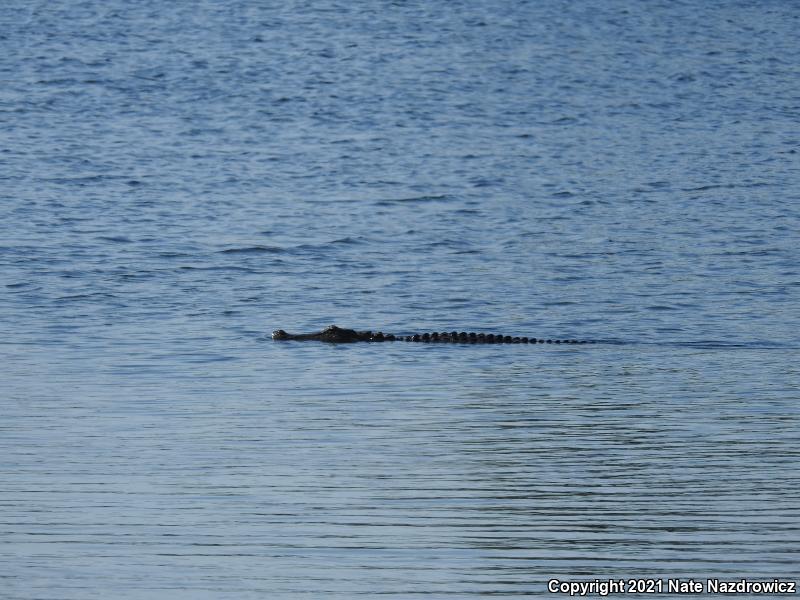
column 331, row 334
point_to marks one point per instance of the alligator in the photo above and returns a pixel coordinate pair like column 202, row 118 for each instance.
column 339, row 335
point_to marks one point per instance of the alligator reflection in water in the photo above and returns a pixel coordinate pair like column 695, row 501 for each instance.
column 338, row 335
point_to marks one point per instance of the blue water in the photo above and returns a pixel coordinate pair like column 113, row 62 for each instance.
column 179, row 179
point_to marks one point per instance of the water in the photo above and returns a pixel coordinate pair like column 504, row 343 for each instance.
column 179, row 180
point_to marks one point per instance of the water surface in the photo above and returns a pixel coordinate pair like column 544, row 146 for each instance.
column 176, row 181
